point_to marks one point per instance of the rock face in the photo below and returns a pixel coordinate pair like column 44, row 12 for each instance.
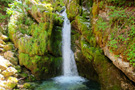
column 125, row 67
column 88, row 53
column 39, row 44
column 112, row 40
column 8, row 73
column 7, row 81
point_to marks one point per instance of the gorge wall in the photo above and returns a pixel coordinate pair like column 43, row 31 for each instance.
column 99, row 44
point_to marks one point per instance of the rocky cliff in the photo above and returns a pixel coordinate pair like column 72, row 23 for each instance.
column 101, row 34
column 36, row 33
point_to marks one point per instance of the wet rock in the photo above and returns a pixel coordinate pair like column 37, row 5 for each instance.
column 9, row 71
column 30, row 85
column 62, row 10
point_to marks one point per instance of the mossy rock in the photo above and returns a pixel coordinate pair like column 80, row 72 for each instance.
column 73, row 9
column 12, row 82
column 55, row 43
column 41, row 65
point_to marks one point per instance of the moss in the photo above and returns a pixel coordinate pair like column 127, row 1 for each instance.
column 73, row 10
column 26, row 85
column 39, row 65
column 83, row 26
column 95, row 10
column 55, row 41
column 12, row 82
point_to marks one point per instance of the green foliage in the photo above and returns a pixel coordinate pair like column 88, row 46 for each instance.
column 132, row 31
column 3, row 8
column 121, row 30
column 101, row 24
column 113, row 44
column 16, row 6
column 37, row 44
column 131, row 53
column 101, row 4
column 6, row 2
column 119, row 2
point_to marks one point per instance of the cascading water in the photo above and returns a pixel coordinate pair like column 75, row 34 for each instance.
column 70, row 73
column 70, row 80
column 69, row 65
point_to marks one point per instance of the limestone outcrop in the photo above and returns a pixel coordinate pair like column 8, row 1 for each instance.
column 8, row 73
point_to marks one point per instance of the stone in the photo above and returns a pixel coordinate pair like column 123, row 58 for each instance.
column 4, row 37
column 124, row 66
column 9, row 84
column 2, row 66
column 2, row 42
column 12, row 82
column 9, row 71
column 4, row 63
column 3, row 84
column 1, row 46
column 1, row 77
column 8, row 47
column 10, row 56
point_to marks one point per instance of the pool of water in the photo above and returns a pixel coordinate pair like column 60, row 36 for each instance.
column 68, row 83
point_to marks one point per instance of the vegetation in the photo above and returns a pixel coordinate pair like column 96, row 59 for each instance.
column 119, row 29
column 33, row 27
column 3, row 8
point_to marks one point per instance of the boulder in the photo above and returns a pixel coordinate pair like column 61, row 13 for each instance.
column 4, row 63
column 12, row 82
column 9, row 84
column 4, row 37
column 10, row 56
column 124, row 66
column 9, row 71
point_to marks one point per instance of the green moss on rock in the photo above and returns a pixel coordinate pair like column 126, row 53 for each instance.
column 38, row 43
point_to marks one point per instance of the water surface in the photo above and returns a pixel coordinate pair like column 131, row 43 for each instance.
column 69, row 83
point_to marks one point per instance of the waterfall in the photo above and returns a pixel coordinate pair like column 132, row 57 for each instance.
column 69, row 64
column 70, row 73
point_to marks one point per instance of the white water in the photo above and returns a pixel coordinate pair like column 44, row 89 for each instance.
column 70, row 73
column 69, row 65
